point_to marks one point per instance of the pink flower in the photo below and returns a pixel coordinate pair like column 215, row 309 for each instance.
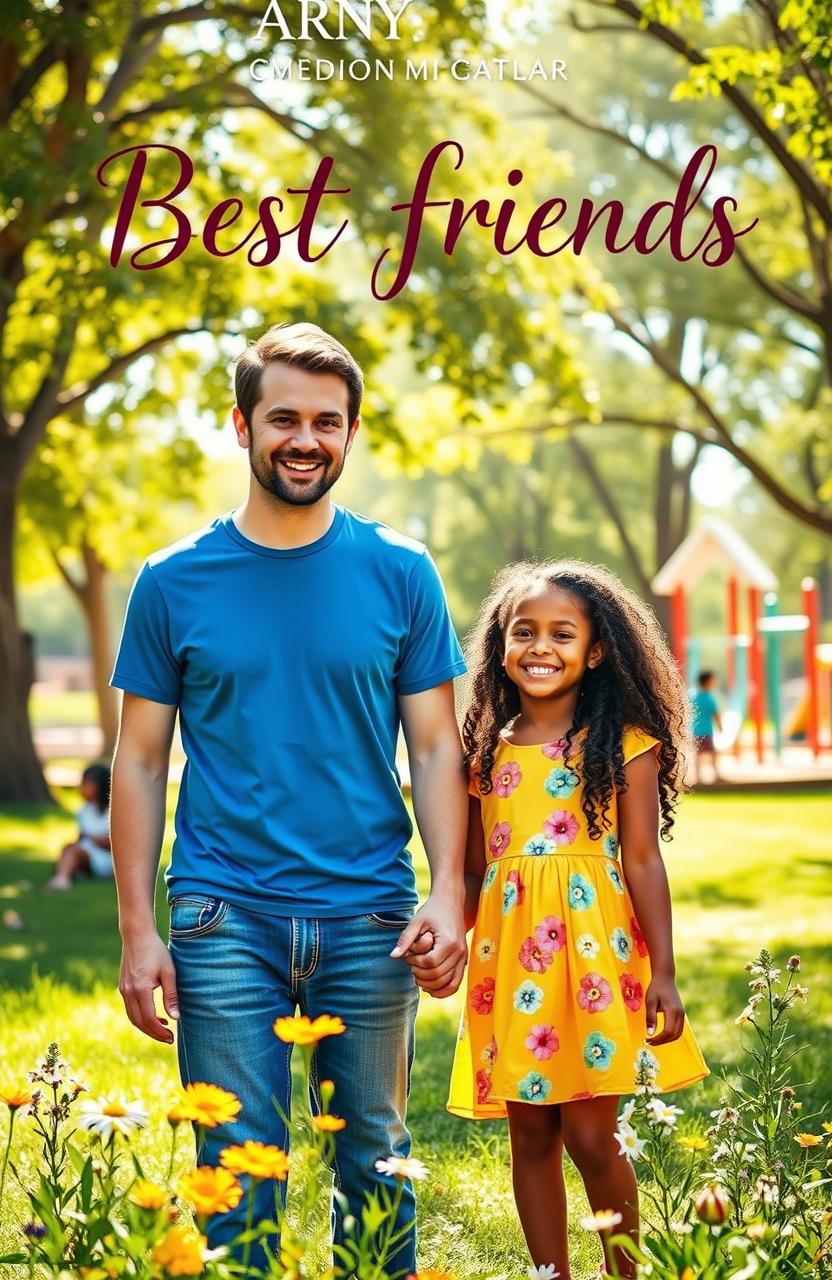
column 500, row 839
column 554, row 750
column 632, row 991
column 551, row 934
column 543, row 1042
column 595, row 993
column 506, row 778
column 561, row 826
column 483, row 1079
column 638, row 937
column 534, row 957
column 513, row 877
column 482, row 996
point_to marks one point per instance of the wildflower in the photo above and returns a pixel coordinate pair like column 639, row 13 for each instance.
column 795, row 1106
column 766, row 1190
column 181, row 1253
column 626, row 1114
column 745, row 1019
column 210, row 1190
column 15, row 1098
column 307, row 1032
column 257, row 1159
column 801, row 994
column 681, row 1228
column 208, row 1105
column 108, row 1116
column 808, row 1139
column 693, row 1142
column 33, row 1230
column 787, row 1091
column 794, row 964
column 177, row 1114
column 601, row 1220
column 430, row 1274
column 402, row 1167
column 630, row 1145
column 712, row 1204
column 546, row 1271
column 758, row 985
column 51, row 1069
column 662, row 1113
column 329, row 1123
column 147, row 1195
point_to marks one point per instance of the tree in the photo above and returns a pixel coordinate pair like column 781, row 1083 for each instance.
column 743, row 360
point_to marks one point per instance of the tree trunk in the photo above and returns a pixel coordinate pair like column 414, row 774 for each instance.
column 21, row 775
column 94, row 603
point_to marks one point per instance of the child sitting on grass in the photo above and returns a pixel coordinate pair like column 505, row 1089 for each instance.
column 90, row 852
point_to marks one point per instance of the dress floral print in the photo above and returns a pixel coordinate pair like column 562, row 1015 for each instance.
column 554, row 1006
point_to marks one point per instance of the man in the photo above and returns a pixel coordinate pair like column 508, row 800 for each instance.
column 293, row 637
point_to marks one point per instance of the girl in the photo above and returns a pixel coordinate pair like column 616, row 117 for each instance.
column 91, row 850
column 573, row 743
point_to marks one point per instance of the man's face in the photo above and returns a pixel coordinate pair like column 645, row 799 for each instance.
column 299, row 435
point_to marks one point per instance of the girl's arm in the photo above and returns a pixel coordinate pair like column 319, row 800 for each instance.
column 644, row 871
column 474, row 862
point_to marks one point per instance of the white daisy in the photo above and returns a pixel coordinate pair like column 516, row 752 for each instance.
column 630, row 1144
column 662, row 1113
column 627, row 1113
column 107, row 1116
column 602, row 1220
column 402, row 1167
column 546, row 1271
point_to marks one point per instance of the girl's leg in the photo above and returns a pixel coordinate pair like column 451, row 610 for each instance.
column 537, row 1176
column 588, row 1135
column 73, row 858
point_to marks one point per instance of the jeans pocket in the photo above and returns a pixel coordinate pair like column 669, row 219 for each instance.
column 391, row 919
column 192, row 916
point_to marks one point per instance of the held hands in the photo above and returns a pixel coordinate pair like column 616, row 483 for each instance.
column 433, row 944
column 145, row 965
column 662, row 997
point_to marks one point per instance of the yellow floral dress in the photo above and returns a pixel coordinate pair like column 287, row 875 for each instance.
column 554, row 1005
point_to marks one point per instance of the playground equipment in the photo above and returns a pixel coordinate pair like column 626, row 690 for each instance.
column 753, row 657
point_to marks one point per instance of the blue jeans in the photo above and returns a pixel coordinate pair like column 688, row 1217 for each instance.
column 236, row 971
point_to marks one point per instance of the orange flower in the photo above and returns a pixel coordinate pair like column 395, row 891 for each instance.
column 208, row 1105
column 15, row 1098
column 147, row 1195
column 306, row 1032
column 177, row 1113
column 808, row 1139
column 181, row 1253
column 328, row 1123
column 431, row 1275
column 210, row 1190
column 257, row 1160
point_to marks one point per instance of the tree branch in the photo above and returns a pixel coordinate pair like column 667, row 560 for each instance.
column 197, row 13
column 586, row 462
column 72, row 396
column 780, row 293
column 802, row 178
column 76, row 588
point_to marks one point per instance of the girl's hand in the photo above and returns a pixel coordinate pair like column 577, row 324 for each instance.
column 662, row 997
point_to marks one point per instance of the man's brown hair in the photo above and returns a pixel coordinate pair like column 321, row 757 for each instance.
column 303, row 346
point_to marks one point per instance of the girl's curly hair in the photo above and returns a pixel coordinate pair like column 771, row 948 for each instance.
column 636, row 684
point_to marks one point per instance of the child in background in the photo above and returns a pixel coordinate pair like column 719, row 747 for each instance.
column 91, row 851
column 705, row 719
column 573, row 741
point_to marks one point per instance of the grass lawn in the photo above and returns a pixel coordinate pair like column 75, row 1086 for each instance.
column 747, row 871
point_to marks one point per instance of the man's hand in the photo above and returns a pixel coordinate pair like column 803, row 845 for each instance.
column 440, row 970
column 662, row 997
column 145, row 965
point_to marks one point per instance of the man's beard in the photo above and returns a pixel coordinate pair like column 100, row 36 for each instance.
column 271, row 477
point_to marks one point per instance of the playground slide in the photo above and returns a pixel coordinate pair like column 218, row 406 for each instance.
column 797, row 725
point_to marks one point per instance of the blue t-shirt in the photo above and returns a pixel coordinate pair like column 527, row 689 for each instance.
column 286, row 666
column 705, row 708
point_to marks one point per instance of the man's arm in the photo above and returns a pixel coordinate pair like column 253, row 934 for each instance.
column 137, row 824
column 440, row 803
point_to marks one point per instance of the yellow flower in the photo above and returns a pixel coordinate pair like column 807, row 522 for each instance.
column 306, row 1032
column 181, row 1253
column 208, row 1105
column 210, row 1190
column 431, row 1275
column 688, row 1274
column 257, row 1160
column 15, row 1098
column 177, row 1113
column 808, row 1139
column 693, row 1142
column 147, row 1195
column 826, row 1126
column 329, row 1124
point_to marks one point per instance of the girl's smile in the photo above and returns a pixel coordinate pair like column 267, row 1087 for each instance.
column 549, row 644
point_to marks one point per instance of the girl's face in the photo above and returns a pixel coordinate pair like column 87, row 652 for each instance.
column 548, row 644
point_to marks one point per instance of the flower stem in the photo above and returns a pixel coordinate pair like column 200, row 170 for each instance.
column 6, row 1154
